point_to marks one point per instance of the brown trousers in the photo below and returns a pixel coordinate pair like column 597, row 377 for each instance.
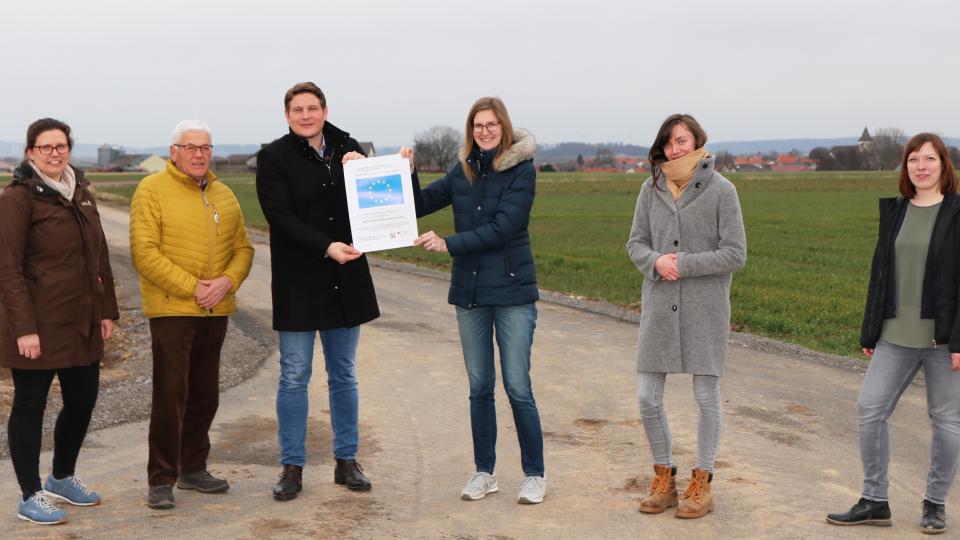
column 186, row 394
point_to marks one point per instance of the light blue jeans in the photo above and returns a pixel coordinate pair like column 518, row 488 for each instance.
column 296, row 367
column 888, row 376
column 706, row 390
column 514, row 327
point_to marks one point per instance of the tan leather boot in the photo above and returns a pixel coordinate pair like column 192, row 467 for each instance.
column 697, row 500
column 663, row 491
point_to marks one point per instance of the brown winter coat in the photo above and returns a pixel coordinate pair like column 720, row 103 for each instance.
column 55, row 277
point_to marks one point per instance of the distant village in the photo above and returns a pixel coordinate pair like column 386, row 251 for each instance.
column 870, row 153
column 880, row 151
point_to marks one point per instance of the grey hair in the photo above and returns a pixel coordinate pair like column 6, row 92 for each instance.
column 189, row 125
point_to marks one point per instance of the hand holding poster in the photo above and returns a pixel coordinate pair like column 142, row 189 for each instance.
column 380, row 202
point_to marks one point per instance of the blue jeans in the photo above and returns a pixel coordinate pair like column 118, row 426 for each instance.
column 514, row 327
column 890, row 372
column 296, row 366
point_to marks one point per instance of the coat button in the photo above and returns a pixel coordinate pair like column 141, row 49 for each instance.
column 331, row 219
column 674, row 307
column 479, row 208
column 474, row 272
column 337, row 288
column 676, row 243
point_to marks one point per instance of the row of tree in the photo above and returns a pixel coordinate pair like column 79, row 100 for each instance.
column 436, row 150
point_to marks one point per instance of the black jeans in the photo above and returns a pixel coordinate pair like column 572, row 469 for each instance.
column 78, row 387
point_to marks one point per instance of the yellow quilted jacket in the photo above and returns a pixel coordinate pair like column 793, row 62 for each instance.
column 179, row 235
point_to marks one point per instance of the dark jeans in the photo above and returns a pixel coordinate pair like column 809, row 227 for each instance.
column 186, row 394
column 514, row 327
column 78, row 387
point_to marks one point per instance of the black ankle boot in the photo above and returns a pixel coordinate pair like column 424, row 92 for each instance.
column 349, row 473
column 290, row 484
column 934, row 520
column 865, row 512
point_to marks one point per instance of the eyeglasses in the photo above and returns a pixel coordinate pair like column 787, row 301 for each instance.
column 492, row 127
column 47, row 149
column 204, row 149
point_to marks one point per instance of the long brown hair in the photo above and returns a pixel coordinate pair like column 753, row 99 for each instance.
column 948, row 176
column 657, row 156
column 499, row 110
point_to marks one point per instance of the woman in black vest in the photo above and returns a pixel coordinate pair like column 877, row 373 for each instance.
column 910, row 321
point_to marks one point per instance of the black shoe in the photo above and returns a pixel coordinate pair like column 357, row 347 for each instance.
column 202, row 481
column 160, row 497
column 934, row 520
column 865, row 512
column 290, row 484
column 350, row 474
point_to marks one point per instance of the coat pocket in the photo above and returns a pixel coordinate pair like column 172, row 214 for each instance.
column 508, row 270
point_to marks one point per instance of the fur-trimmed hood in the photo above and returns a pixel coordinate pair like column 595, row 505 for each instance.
column 523, row 148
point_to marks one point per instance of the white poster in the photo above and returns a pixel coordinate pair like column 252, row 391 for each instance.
column 380, row 202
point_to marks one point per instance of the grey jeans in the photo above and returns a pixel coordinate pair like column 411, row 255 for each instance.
column 706, row 390
column 890, row 372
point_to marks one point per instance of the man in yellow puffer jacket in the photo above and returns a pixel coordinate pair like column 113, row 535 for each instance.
column 189, row 244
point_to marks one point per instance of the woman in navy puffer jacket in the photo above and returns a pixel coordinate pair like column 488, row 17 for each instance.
column 494, row 283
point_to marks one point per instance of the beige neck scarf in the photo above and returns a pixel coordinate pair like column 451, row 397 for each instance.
column 681, row 170
column 65, row 186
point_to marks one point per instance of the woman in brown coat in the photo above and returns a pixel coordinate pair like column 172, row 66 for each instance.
column 57, row 306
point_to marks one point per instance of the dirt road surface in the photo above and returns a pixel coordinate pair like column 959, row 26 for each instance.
column 788, row 453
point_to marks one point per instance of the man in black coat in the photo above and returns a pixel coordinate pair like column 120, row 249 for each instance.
column 320, row 282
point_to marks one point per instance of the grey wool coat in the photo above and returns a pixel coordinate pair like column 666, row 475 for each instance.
column 684, row 324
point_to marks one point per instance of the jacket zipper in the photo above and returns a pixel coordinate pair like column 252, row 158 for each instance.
column 211, row 243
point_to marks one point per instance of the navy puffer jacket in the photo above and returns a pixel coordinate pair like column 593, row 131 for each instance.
column 492, row 260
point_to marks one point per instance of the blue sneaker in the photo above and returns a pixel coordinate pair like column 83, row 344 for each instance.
column 39, row 509
column 72, row 490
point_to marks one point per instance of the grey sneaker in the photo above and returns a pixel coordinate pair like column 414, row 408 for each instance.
column 202, row 481
column 532, row 490
column 479, row 486
column 160, row 497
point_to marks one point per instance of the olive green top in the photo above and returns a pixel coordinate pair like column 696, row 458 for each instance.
column 907, row 329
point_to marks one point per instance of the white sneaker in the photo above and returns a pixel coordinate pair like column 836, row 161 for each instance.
column 479, row 485
column 532, row 490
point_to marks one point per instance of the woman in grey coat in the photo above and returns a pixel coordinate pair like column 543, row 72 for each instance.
column 687, row 240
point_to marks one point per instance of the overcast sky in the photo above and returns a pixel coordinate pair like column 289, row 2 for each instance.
column 126, row 72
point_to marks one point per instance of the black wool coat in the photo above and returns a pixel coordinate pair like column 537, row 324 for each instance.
column 941, row 277
column 304, row 202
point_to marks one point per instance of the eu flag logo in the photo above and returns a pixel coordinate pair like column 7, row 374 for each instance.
column 380, row 191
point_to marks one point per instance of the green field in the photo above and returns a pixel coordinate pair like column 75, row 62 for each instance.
column 810, row 237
